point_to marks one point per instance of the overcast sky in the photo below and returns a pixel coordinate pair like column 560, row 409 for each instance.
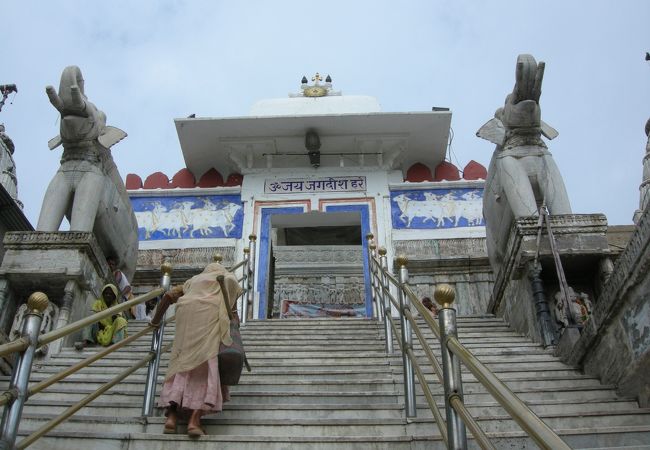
column 148, row 62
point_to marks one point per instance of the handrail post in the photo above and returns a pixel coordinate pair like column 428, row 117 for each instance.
column 250, row 267
column 37, row 303
column 244, row 283
column 156, row 349
column 407, row 340
column 384, row 287
column 373, row 279
column 444, row 295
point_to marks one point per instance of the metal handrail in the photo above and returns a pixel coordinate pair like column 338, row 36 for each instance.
column 429, row 396
column 18, row 345
column 53, row 335
column 37, row 303
column 238, row 265
column 19, row 392
column 543, row 435
column 425, row 346
column 83, row 402
column 46, row 338
column 481, row 438
column 8, row 396
column 535, row 427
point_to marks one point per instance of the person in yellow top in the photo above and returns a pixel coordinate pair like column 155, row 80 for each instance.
column 110, row 329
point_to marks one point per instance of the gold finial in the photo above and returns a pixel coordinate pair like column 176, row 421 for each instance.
column 382, row 251
column 247, row 251
column 444, row 295
column 37, row 302
column 370, row 236
column 372, row 246
column 316, row 78
column 402, row 260
column 252, row 237
column 166, row 268
column 217, row 257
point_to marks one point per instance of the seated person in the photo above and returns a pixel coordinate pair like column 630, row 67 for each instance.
column 431, row 306
column 110, row 329
column 124, row 287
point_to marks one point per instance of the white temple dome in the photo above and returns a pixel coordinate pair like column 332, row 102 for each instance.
column 306, row 106
column 315, row 100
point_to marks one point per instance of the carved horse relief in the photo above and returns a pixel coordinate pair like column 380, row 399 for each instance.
column 522, row 174
column 87, row 188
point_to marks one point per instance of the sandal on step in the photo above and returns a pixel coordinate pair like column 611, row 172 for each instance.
column 195, row 431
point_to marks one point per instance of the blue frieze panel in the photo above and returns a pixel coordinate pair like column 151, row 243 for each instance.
column 437, row 208
column 188, row 217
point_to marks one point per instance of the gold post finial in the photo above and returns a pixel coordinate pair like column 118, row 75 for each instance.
column 37, row 302
column 247, row 251
column 402, row 260
column 444, row 295
column 252, row 237
column 166, row 268
column 372, row 246
column 370, row 236
column 382, row 251
column 217, row 257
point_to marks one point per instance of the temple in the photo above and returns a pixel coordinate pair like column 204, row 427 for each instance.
column 311, row 175
column 340, row 221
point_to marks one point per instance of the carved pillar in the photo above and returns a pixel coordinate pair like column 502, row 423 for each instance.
column 64, row 313
column 6, row 315
column 6, row 312
column 605, row 270
column 546, row 327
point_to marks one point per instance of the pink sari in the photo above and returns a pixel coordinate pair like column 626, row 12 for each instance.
column 199, row 388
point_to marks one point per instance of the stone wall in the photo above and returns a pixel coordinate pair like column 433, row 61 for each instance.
column 186, row 262
column 582, row 245
column 615, row 342
column 323, row 274
column 460, row 262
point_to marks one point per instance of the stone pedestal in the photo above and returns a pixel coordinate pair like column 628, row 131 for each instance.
column 67, row 266
column 581, row 241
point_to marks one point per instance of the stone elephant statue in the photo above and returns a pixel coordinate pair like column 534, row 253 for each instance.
column 87, row 188
column 522, row 174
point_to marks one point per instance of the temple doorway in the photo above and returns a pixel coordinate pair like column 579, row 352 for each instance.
column 316, row 266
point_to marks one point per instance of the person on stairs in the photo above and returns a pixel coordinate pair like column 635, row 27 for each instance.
column 110, row 329
column 192, row 385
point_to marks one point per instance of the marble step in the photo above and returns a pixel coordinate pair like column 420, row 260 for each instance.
column 252, row 411
column 594, row 439
column 217, row 425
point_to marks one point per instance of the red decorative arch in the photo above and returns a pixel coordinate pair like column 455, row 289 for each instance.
column 234, row 179
column 157, row 180
column 183, row 179
column 418, row 172
column 211, row 178
column 474, row 171
column 446, row 171
column 133, row 181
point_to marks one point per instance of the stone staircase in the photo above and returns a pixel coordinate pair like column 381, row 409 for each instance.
column 327, row 384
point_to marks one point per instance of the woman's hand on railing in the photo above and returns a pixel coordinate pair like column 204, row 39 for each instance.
column 168, row 298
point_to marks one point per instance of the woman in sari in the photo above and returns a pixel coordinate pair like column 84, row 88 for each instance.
column 192, row 386
column 110, row 329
